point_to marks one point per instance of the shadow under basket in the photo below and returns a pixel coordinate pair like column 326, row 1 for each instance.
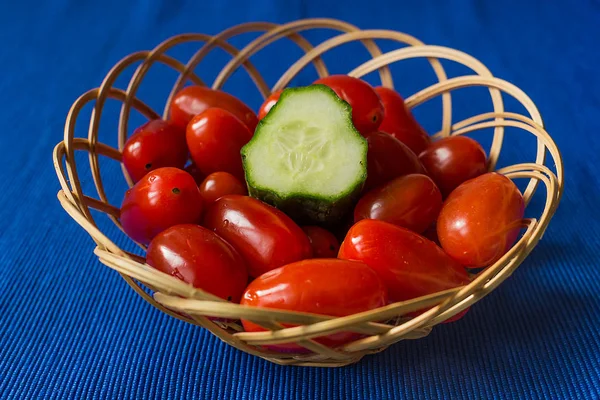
column 186, row 303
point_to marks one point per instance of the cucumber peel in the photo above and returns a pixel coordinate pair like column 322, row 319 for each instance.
column 306, row 157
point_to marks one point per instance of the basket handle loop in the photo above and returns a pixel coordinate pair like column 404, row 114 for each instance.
column 101, row 240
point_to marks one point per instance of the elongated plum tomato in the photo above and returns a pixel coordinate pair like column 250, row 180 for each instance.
column 452, row 161
column 153, row 145
column 199, row 257
column 162, row 198
column 399, row 122
column 268, row 104
column 263, row 235
column 192, row 100
column 322, row 286
column 215, row 138
column 367, row 110
column 411, row 201
column 481, row 220
column 219, row 184
column 409, row 265
column 388, row 158
column 323, row 242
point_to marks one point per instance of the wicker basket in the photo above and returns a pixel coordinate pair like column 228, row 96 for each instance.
column 184, row 302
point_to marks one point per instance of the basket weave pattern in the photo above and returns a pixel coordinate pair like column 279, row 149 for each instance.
column 380, row 327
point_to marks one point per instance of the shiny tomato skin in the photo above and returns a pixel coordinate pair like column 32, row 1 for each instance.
column 162, row 198
column 268, row 104
column 367, row 110
column 410, row 265
column 263, row 235
column 399, row 121
column 193, row 170
column 453, row 160
column 323, row 242
column 201, row 258
column 193, row 100
column 481, row 220
column 322, row 286
column 219, row 184
column 412, row 201
column 215, row 138
column 388, row 158
column 153, row 145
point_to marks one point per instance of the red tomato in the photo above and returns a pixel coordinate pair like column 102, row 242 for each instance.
column 268, row 104
column 193, row 170
column 399, row 122
column 199, row 257
column 388, row 158
column 411, row 201
column 193, row 100
column 263, row 235
column 321, row 286
column 154, row 145
column 218, row 184
column 323, row 242
column 452, row 161
column 215, row 138
column 410, row 265
column 163, row 198
column 481, row 220
column 367, row 110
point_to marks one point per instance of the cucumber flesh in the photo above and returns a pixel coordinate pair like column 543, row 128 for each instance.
column 306, row 156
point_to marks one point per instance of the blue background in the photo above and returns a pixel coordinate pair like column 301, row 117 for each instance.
column 71, row 328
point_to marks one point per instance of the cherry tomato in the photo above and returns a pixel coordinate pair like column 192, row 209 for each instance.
column 153, row 145
column 452, row 161
column 193, row 170
column 162, row 198
column 199, row 257
column 263, row 235
column 410, row 265
column 367, row 110
column 388, row 158
column 321, row 286
column 215, row 138
column 219, row 184
column 481, row 220
column 399, row 122
column 192, row 100
column 412, row 201
column 323, row 242
column 268, row 104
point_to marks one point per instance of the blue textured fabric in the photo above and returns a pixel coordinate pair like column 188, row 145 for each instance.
column 71, row 328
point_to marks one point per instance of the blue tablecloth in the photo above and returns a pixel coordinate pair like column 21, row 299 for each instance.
column 71, row 328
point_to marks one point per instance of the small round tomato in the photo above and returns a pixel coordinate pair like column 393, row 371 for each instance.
column 263, row 235
column 388, row 158
column 410, row 265
column 268, row 104
column 452, row 161
column 399, row 122
column 219, row 184
column 153, row 145
column 215, row 138
column 192, row 100
column 367, row 110
column 162, row 198
column 411, row 201
column 323, row 242
column 201, row 258
column 193, row 170
column 321, row 286
column 481, row 220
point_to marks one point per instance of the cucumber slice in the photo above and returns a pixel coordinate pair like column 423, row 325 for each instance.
column 306, row 157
